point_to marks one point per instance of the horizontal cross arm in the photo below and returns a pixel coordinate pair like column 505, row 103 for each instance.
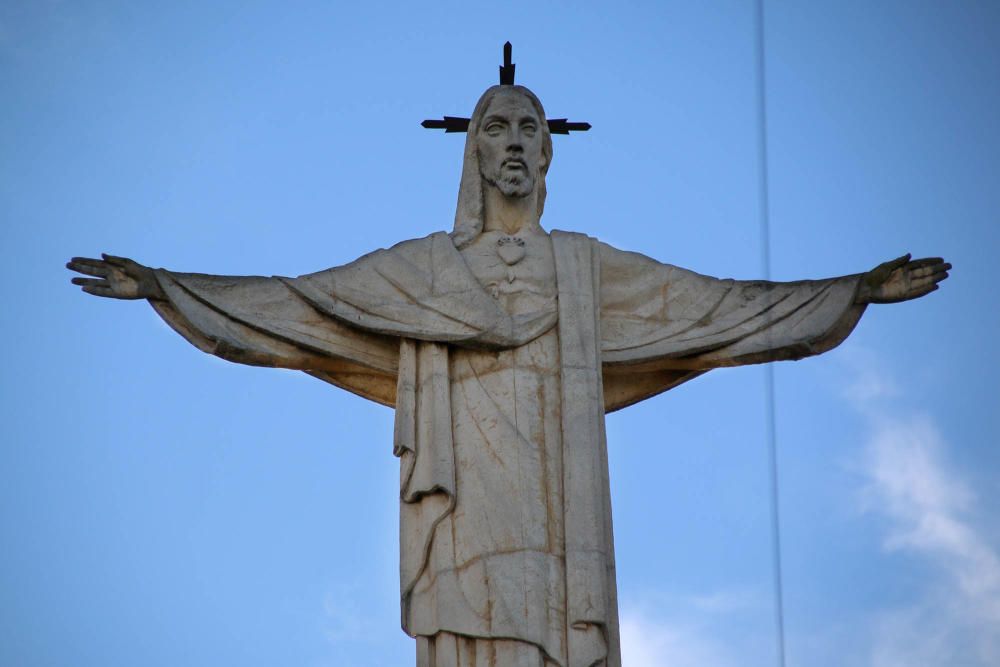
column 448, row 124
column 456, row 124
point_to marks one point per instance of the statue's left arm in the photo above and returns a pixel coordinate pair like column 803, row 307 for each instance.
column 662, row 325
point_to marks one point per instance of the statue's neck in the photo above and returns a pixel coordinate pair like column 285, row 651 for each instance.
column 509, row 215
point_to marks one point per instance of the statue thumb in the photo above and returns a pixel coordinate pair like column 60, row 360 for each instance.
column 881, row 273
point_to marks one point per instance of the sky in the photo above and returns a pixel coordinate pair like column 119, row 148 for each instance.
column 162, row 507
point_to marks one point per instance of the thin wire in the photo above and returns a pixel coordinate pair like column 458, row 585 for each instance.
column 769, row 401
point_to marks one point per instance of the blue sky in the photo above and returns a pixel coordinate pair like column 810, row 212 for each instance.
column 163, row 507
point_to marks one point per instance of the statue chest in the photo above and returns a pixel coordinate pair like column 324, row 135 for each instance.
column 518, row 270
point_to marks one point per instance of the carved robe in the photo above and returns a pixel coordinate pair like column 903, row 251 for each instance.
column 505, row 520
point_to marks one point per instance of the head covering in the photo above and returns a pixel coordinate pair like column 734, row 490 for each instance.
column 469, row 213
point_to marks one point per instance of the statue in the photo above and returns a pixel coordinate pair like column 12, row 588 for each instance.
column 501, row 346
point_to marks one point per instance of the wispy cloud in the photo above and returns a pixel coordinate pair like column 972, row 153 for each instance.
column 648, row 643
column 869, row 380
column 929, row 512
column 712, row 630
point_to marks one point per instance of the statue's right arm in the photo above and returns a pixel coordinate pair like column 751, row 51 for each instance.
column 252, row 320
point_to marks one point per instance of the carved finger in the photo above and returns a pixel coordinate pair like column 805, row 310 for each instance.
column 929, row 270
column 916, row 294
column 938, row 276
column 98, row 290
column 90, row 281
column 935, row 276
column 89, row 267
column 87, row 260
column 926, row 261
column 122, row 262
column 898, row 262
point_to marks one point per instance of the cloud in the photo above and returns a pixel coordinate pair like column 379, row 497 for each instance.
column 927, row 504
column 929, row 512
column 657, row 643
column 869, row 379
column 717, row 629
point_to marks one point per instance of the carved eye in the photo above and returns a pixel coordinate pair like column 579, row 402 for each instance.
column 494, row 129
column 529, row 129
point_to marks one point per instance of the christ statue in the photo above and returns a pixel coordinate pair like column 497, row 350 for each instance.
column 501, row 347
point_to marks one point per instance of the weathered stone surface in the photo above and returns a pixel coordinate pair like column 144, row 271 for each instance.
column 502, row 346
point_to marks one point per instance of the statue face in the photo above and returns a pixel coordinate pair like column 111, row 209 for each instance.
column 510, row 144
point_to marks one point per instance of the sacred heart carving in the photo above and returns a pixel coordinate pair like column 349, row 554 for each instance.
column 510, row 249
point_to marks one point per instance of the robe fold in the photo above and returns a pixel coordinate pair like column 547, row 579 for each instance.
column 505, row 514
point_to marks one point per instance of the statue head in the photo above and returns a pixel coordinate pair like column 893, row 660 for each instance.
column 508, row 147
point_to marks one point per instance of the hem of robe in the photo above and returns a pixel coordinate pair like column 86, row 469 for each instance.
column 451, row 649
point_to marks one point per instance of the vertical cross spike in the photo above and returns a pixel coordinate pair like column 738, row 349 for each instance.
column 507, row 69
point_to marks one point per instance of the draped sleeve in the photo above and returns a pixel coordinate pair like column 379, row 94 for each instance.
column 662, row 325
column 262, row 322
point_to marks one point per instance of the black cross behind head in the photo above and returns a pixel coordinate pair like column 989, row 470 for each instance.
column 457, row 124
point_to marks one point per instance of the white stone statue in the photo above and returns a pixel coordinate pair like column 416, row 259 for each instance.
column 501, row 347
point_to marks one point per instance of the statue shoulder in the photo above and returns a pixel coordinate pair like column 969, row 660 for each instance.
column 417, row 249
column 419, row 252
column 607, row 252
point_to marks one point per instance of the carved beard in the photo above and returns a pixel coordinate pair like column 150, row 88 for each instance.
column 512, row 185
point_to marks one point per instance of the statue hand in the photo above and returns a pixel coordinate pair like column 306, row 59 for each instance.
column 902, row 279
column 117, row 278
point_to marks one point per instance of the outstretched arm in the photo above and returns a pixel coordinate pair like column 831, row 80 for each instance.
column 672, row 324
column 251, row 320
column 902, row 279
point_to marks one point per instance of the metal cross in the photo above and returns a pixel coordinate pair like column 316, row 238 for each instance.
column 457, row 124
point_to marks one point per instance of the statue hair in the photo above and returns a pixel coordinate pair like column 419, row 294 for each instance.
column 469, row 212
